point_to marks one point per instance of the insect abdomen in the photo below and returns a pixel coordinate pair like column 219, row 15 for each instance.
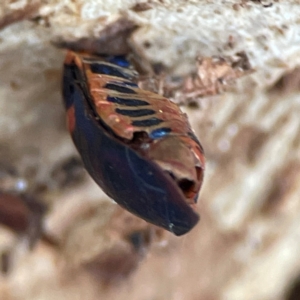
column 105, row 113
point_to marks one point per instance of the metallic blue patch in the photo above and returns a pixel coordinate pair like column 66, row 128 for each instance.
column 121, row 61
column 159, row 132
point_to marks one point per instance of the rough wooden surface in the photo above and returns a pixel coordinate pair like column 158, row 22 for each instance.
column 247, row 244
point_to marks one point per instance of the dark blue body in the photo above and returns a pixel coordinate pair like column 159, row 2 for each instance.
column 134, row 182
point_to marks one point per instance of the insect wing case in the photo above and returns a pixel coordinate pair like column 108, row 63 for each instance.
column 133, row 181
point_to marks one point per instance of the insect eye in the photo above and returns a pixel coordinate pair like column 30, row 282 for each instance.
column 185, row 185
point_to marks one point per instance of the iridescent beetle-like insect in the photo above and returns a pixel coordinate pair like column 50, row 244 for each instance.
column 137, row 145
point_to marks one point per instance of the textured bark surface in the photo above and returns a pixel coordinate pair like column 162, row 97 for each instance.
column 247, row 243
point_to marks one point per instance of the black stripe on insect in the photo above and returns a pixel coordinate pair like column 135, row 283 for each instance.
column 119, row 88
column 147, row 122
column 111, row 70
column 127, row 101
column 135, row 113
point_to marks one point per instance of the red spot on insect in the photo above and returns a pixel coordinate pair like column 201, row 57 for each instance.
column 71, row 119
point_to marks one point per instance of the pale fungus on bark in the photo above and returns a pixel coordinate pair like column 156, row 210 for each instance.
column 233, row 66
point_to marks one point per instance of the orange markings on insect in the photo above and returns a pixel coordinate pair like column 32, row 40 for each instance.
column 71, row 119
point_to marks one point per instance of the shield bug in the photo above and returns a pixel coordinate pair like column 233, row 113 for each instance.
column 137, row 145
